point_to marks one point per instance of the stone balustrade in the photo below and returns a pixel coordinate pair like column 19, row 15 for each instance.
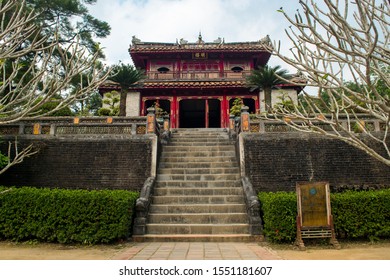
column 76, row 125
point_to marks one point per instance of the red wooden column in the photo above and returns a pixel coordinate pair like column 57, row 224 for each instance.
column 174, row 106
column 224, row 112
column 257, row 104
column 177, row 111
column 143, row 100
column 206, row 104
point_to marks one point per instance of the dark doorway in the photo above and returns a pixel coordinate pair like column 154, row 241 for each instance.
column 192, row 113
column 214, row 117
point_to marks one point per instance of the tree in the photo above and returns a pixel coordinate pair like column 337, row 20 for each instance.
column 70, row 19
column 266, row 78
column 26, row 89
column 111, row 100
column 90, row 106
column 336, row 45
column 126, row 76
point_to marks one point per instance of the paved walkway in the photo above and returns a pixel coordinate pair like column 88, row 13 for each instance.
column 197, row 251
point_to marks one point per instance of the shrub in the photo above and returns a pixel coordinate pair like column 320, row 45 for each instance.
column 104, row 112
column 279, row 211
column 66, row 216
column 356, row 214
column 363, row 214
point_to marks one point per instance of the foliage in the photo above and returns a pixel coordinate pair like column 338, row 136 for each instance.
column 89, row 106
column 126, row 76
column 70, row 18
column 266, row 78
column 104, row 112
column 356, row 214
column 40, row 58
column 236, row 108
column 49, row 108
column 111, row 100
column 159, row 111
column 362, row 214
column 279, row 211
column 35, row 69
column 66, row 216
column 3, row 160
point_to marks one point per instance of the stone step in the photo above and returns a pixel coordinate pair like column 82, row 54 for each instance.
column 199, row 199
column 191, row 154
column 199, row 141
column 197, row 184
column 161, row 191
column 219, row 148
column 197, row 229
column 198, row 208
column 195, row 171
column 217, row 218
column 197, row 238
column 199, row 138
column 222, row 135
column 200, row 129
column 198, row 159
column 198, row 177
column 200, row 133
column 227, row 164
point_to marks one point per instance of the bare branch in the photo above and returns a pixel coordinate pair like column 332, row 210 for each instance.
column 332, row 43
column 16, row 157
column 52, row 66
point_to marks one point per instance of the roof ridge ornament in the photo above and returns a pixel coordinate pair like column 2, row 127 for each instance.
column 200, row 39
column 183, row 42
column 135, row 40
column 266, row 41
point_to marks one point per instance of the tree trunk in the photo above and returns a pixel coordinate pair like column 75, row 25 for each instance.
column 122, row 103
column 267, row 99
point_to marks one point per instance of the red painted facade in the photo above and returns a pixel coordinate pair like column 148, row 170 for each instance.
column 196, row 83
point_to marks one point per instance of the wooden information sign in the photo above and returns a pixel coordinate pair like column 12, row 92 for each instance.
column 314, row 219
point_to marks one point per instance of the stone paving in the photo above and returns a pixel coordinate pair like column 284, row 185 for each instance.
column 197, row 251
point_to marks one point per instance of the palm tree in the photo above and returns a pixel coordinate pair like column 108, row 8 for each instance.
column 265, row 79
column 126, row 76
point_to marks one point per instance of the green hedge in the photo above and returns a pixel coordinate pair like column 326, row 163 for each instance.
column 363, row 214
column 66, row 216
column 279, row 211
column 356, row 215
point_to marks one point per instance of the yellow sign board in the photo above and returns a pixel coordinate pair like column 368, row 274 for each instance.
column 314, row 204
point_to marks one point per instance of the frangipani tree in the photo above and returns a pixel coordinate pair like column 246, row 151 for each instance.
column 335, row 44
column 52, row 65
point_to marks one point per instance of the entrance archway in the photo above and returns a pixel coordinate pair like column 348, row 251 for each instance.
column 200, row 113
column 214, row 113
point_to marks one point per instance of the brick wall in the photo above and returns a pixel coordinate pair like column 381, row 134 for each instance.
column 277, row 161
column 92, row 162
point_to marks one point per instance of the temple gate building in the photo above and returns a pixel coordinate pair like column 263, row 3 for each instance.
column 196, row 83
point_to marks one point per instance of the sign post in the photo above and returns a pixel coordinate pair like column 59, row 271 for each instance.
column 314, row 219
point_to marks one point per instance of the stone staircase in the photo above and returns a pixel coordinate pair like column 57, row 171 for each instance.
column 198, row 194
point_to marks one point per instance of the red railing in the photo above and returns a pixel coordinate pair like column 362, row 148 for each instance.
column 196, row 75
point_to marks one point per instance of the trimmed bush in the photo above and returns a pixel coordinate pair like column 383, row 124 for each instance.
column 356, row 215
column 362, row 214
column 279, row 211
column 66, row 216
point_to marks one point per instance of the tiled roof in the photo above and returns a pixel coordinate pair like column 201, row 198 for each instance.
column 231, row 47
column 193, row 84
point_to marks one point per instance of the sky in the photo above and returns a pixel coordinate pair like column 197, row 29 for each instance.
column 168, row 20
